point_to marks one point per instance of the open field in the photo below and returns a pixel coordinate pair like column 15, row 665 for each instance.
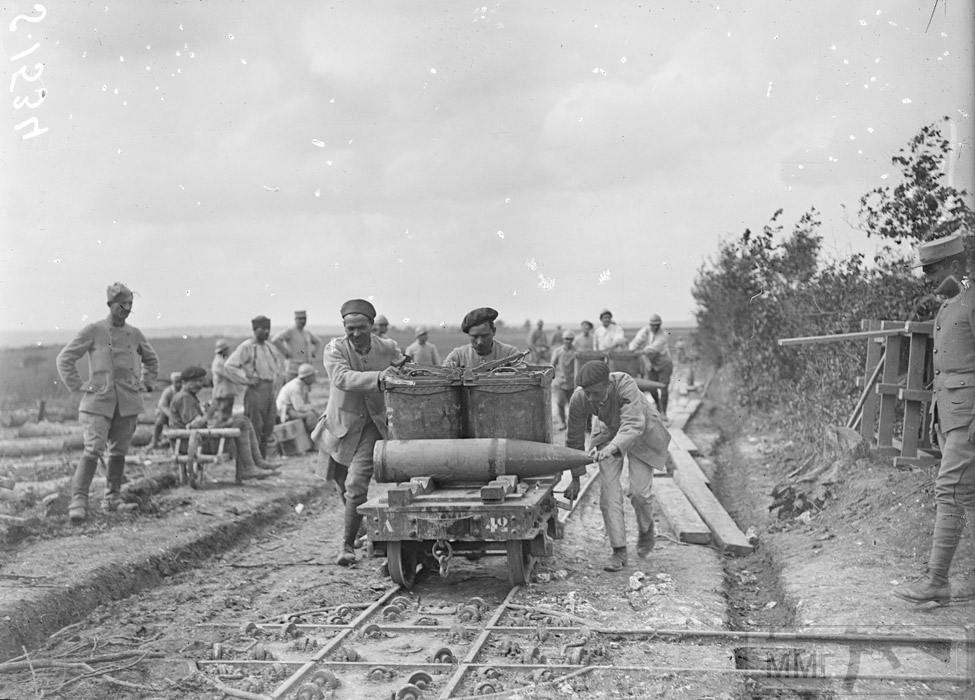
column 28, row 374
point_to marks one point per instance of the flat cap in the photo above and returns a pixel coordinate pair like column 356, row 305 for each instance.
column 117, row 291
column 191, row 373
column 221, row 344
column 420, row 330
column 485, row 314
column 305, row 370
column 940, row 248
column 260, row 322
column 358, row 306
column 592, row 373
column 301, row 313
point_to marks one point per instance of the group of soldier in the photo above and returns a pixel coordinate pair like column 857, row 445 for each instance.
column 628, row 425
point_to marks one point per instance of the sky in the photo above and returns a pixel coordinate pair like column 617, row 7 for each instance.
column 235, row 158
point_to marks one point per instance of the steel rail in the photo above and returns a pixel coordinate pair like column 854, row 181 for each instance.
column 956, row 680
column 332, row 644
column 478, row 644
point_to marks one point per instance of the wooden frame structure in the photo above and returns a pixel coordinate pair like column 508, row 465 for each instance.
column 887, row 384
column 189, row 460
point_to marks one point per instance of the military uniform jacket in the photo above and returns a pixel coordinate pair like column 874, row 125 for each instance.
column 120, row 363
column 954, row 361
column 466, row 356
column 354, row 396
column 627, row 421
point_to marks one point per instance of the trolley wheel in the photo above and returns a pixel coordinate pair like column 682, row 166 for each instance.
column 409, row 692
column 519, row 561
column 421, row 679
column 401, row 558
column 324, row 678
column 310, row 691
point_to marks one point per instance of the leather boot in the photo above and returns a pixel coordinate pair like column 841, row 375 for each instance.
column 113, row 483
column 617, row 560
column 80, row 483
column 352, row 521
column 246, row 468
column 645, row 542
column 255, row 449
column 948, row 524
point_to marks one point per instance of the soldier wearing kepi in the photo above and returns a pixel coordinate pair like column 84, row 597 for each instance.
column 628, row 425
column 122, row 366
column 943, row 263
column 355, row 417
column 479, row 326
column 298, row 345
column 651, row 342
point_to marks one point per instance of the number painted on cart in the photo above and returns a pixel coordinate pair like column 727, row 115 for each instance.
column 495, row 524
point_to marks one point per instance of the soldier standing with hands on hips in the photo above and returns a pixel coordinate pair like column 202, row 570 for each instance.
column 943, row 263
column 122, row 366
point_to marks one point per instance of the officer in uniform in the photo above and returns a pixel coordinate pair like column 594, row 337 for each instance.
column 355, row 416
column 122, row 366
column 943, row 263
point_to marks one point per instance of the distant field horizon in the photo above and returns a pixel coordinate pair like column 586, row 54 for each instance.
column 43, row 337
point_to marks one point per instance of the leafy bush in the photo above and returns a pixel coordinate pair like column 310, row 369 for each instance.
column 761, row 287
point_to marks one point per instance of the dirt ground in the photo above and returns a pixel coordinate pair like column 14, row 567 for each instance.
column 282, row 564
column 833, row 571
column 273, row 557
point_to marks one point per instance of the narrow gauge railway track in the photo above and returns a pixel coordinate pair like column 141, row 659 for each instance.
column 402, row 646
column 399, row 648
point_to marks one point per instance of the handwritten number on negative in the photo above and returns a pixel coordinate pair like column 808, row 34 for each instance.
column 27, row 18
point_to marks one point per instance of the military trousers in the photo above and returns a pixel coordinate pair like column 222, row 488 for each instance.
column 101, row 432
column 955, row 483
column 361, row 466
column 259, row 408
column 611, row 496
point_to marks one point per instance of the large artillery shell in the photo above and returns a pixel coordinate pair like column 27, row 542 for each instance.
column 471, row 460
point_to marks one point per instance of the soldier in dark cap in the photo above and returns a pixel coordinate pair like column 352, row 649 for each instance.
column 122, row 366
column 260, row 366
column 944, row 265
column 355, row 416
column 479, row 326
column 628, row 425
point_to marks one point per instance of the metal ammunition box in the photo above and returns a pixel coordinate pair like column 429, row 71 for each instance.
column 424, row 402
column 510, row 402
column 625, row 361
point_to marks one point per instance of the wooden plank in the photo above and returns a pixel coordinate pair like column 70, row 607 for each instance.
column 680, row 514
column 685, row 464
column 890, row 376
column 680, row 419
column 868, row 415
column 680, row 437
column 914, row 406
column 724, row 532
